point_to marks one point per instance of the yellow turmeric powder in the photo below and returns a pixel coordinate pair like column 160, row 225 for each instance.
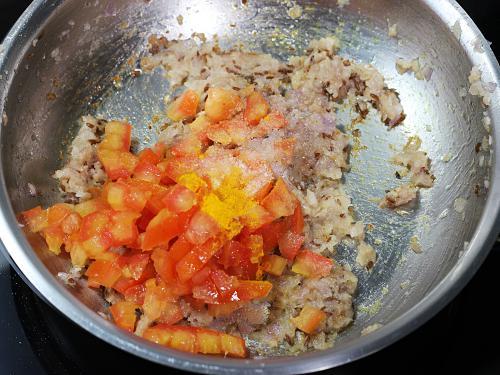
column 228, row 203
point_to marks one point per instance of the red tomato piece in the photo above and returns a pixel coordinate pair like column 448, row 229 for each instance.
column 117, row 136
column 151, row 156
column 256, row 108
column 184, row 107
column 273, row 120
column 103, row 272
column 196, row 259
column 36, row 218
column 224, row 283
column 273, row 264
column 207, row 292
column 271, row 233
column 309, row 319
column 171, row 314
column 161, row 229
column 201, row 228
column 221, row 104
column 57, row 213
column 280, row 201
column 123, row 228
column 147, row 171
column 179, row 199
column 135, row 293
column 310, row 264
column 256, row 217
column 296, row 221
column 290, row 244
column 164, row 264
column 124, row 314
column 117, row 164
column 180, row 248
column 223, row 309
column 187, row 146
column 249, row 289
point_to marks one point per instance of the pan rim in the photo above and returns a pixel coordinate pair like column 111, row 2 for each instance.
column 45, row 284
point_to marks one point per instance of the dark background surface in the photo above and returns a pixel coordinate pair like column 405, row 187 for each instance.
column 462, row 338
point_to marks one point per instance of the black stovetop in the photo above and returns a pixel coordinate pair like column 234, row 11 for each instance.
column 36, row 339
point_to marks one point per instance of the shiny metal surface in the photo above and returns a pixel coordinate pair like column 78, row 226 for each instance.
column 59, row 60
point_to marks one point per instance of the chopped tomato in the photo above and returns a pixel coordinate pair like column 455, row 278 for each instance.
column 236, row 259
column 256, row 108
column 147, row 171
column 309, row 319
column 90, row 206
column 280, row 201
column 179, row 199
column 196, row 259
column 224, row 283
column 296, row 221
column 125, row 284
column 103, row 272
column 57, row 213
column 123, row 228
column 180, row 248
column 184, row 107
column 290, row 243
column 201, row 228
column 161, row 229
column 123, row 196
column 151, row 156
column 223, row 309
column 36, row 218
column 199, row 127
column 310, row 264
column 164, row 264
column 249, row 289
column 196, row 340
column 54, row 237
column 256, row 217
column 271, row 233
column 273, row 120
column 221, row 104
column 124, row 314
column 117, row 136
column 117, row 164
column 170, row 314
column 135, row 293
column 156, row 299
column 274, row 264
column 188, row 146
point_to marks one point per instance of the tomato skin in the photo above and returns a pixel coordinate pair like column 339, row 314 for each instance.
column 310, row 264
column 180, row 248
column 290, row 244
column 256, row 108
column 124, row 314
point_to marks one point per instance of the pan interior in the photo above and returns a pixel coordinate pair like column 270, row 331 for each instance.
column 71, row 70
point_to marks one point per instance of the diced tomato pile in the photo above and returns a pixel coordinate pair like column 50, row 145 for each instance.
column 192, row 222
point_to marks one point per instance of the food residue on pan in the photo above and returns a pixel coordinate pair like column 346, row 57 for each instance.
column 220, row 238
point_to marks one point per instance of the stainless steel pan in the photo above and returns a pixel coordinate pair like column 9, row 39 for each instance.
column 58, row 62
